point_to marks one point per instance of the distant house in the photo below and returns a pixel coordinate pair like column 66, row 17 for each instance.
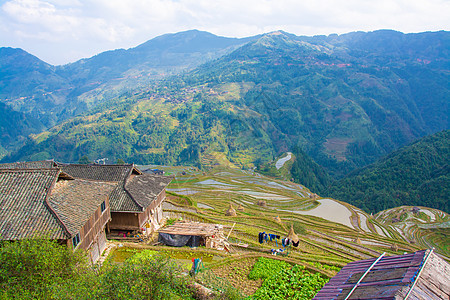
column 48, row 203
column 136, row 201
column 421, row 275
column 157, row 171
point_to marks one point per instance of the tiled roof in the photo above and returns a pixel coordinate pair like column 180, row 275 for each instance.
column 131, row 194
column 24, row 212
column 146, row 187
column 43, row 164
column 387, row 277
column 120, row 200
column 75, row 201
column 112, row 173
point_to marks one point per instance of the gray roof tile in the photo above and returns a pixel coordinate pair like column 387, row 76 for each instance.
column 112, row 173
column 24, row 212
column 146, row 187
column 43, row 164
column 75, row 201
column 132, row 193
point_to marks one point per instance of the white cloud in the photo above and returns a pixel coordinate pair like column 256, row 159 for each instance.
column 65, row 30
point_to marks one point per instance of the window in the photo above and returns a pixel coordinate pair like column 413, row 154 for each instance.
column 103, row 206
column 76, row 240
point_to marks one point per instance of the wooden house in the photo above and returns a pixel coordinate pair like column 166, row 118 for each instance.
column 422, row 275
column 48, row 203
column 136, row 201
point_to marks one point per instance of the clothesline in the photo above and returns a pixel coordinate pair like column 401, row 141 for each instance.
column 263, row 236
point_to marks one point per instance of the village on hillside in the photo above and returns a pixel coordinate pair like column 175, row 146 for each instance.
column 105, row 209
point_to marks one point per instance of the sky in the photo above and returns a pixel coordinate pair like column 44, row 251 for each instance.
column 64, row 31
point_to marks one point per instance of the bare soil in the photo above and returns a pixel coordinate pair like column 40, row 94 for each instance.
column 237, row 274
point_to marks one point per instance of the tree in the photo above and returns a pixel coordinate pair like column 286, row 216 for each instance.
column 36, row 269
column 84, row 160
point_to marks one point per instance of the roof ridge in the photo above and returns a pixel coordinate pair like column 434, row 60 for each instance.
column 51, row 210
column 126, row 190
column 34, row 170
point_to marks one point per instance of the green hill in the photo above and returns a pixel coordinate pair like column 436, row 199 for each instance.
column 417, row 174
column 343, row 103
column 53, row 94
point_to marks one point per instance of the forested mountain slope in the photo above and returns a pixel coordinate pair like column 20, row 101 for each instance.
column 15, row 125
column 417, row 174
column 344, row 100
column 52, row 94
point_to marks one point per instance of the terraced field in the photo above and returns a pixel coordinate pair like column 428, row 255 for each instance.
column 332, row 233
column 422, row 226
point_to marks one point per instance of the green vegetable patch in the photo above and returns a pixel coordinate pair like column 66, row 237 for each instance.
column 266, row 267
column 287, row 282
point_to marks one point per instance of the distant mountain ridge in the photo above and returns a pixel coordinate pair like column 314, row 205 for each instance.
column 52, row 94
column 52, row 87
column 342, row 101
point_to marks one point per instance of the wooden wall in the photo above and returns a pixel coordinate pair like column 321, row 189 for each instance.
column 155, row 206
column 124, row 220
column 90, row 231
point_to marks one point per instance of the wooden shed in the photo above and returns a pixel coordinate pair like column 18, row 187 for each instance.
column 194, row 234
column 422, row 275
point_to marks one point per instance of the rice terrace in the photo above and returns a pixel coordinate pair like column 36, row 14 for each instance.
column 331, row 233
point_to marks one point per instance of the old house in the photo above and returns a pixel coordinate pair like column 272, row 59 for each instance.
column 422, row 275
column 136, row 201
column 48, row 203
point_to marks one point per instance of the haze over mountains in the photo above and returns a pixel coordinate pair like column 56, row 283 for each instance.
column 195, row 98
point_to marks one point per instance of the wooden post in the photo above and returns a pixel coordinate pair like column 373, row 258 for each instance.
column 230, row 230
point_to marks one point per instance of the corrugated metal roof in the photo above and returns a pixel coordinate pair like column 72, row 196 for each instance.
column 384, row 280
column 24, row 212
column 75, row 201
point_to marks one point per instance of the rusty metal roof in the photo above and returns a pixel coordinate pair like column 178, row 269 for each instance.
column 389, row 276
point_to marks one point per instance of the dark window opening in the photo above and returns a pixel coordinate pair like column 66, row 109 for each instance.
column 76, row 240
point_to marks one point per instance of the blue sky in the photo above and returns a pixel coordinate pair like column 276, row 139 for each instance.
column 63, row 31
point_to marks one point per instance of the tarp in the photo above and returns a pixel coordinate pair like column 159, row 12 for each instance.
column 177, row 240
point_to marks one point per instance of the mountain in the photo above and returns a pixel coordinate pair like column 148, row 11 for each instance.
column 14, row 127
column 55, row 93
column 418, row 174
column 164, row 55
column 51, row 94
column 342, row 101
column 29, row 85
